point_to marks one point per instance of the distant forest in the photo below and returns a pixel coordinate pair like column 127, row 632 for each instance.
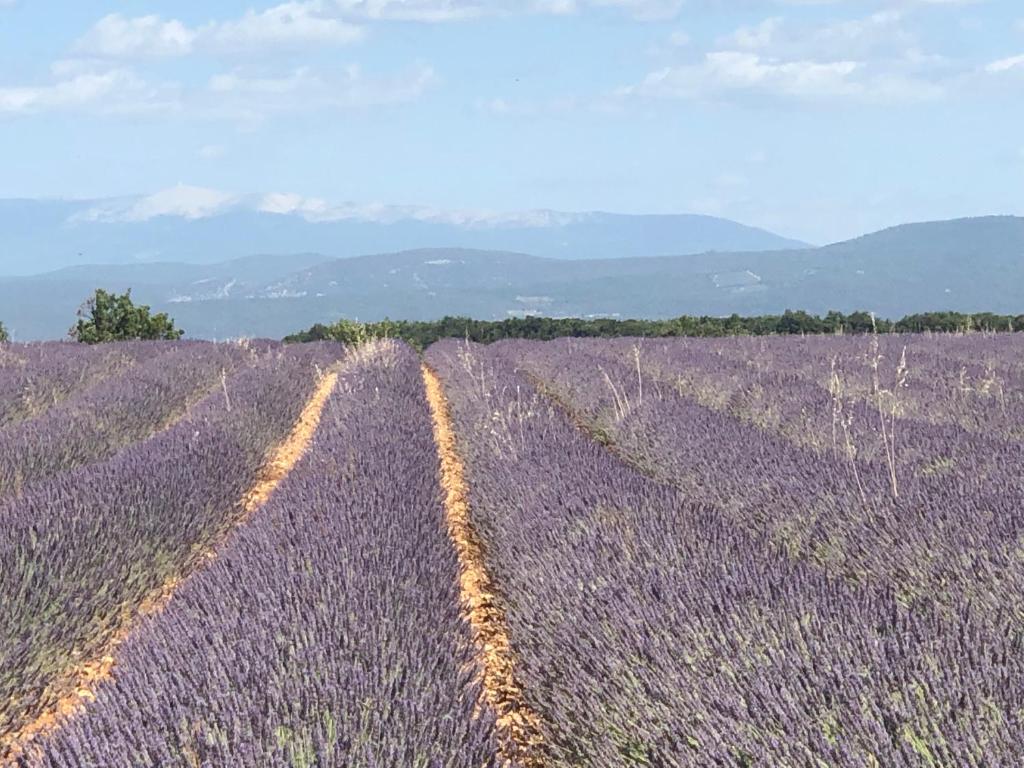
column 422, row 334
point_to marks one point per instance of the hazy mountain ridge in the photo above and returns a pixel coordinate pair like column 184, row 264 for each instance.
column 966, row 265
column 42, row 235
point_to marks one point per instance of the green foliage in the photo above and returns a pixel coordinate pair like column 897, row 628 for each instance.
column 354, row 333
column 422, row 334
column 113, row 317
column 953, row 322
column 3, row 334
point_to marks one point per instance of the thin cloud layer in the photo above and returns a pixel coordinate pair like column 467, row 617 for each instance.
column 319, row 22
column 290, row 24
column 877, row 58
column 110, row 91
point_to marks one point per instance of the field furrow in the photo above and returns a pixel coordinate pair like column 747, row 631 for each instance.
column 947, row 538
column 603, row 553
column 518, row 726
column 85, row 679
column 125, row 528
column 327, row 631
column 830, row 417
column 653, row 629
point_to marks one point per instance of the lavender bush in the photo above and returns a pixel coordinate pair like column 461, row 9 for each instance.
column 655, row 627
column 35, row 377
column 327, row 631
column 730, row 553
column 947, row 535
column 972, row 382
column 96, row 422
column 81, row 551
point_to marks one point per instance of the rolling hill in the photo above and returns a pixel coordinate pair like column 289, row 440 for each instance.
column 965, row 265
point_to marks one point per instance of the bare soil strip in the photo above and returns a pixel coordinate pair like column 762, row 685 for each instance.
column 518, row 726
column 87, row 677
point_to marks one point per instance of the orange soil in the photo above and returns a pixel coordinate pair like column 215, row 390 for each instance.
column 86, row 678
column 518, row 726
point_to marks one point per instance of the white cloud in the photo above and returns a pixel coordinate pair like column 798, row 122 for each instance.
column 110, row 91
column 884, row 34
column 872, row 59
column 755, row 38
column 458, row 10
column 287, row 24
column 522, row 108
column 555, row 7
column 1005, row 65
column 724, row 75
column 82, row 85
column 498, row 106
column 731, row 71
column 428, row 11
column 282, row 203
column 319, row 22
column 118, row 36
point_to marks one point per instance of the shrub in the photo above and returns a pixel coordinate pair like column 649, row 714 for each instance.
column 113, row 317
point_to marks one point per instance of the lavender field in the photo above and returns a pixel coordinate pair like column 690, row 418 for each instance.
column 783, row 551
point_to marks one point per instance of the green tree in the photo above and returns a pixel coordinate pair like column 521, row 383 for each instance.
column 113, row 317
column 3, row 334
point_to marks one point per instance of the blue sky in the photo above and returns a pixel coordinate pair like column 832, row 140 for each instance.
column 817, row 119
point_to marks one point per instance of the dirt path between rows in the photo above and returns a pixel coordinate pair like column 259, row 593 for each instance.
column 87, row 677
column 518, row 726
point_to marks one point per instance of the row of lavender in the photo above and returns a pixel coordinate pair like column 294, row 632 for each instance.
column 80, row 551
column 672, row 623
column 975, row 383
column 945, row 537
column 94, row 422
column 842, row 421
column 35, row 377
column 327, row 631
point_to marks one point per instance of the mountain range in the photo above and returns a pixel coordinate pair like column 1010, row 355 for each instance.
column 203, row 226
column 966, row 265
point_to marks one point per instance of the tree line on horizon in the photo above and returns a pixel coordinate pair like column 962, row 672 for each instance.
column 422, row 334
column 107, row 317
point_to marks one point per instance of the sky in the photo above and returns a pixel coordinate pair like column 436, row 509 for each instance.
column 817, row 119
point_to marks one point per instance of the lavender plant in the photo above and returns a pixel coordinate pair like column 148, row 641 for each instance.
column 655, row 628
column 949, row 535
column 100, row 420
column 80, row 552
column 35, row 377
column 326, row 632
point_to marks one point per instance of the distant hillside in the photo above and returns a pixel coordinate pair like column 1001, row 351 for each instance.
column 970, row 265
column 40, row 235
